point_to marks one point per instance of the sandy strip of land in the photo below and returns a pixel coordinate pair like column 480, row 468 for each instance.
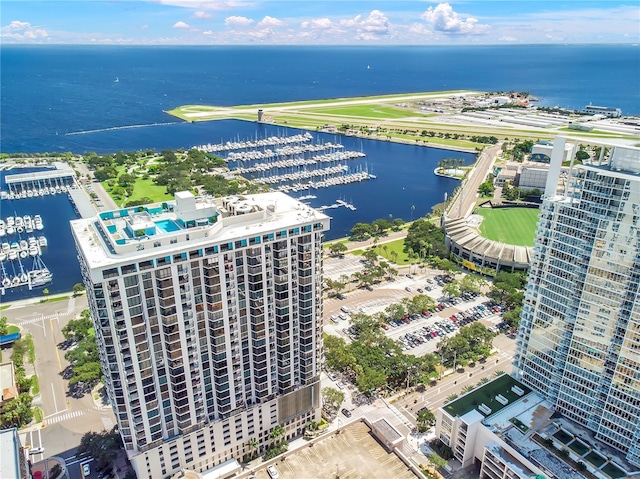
column 327, row 104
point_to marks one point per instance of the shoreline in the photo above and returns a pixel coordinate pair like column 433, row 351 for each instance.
column 456, row 120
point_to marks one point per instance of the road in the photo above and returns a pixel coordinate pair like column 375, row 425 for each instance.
column 466, row 200
column 435, row 396
column 66, row 418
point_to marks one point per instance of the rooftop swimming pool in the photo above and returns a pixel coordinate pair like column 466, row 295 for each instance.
column 167, row 226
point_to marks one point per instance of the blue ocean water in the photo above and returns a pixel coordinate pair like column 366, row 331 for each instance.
column 79, row 98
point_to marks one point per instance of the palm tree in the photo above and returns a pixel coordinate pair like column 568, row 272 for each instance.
column 253, row 446
column 277, row 432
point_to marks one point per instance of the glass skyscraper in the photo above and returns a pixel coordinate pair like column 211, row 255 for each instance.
column 578, row 342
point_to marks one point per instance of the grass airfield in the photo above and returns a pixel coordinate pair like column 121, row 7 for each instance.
column 423, row 118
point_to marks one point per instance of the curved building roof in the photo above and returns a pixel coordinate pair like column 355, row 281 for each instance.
column 461, row 235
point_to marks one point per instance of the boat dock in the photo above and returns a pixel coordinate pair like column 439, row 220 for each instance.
column 40, row 183
column 337, row 204
column 81, row 203
column 294, row 164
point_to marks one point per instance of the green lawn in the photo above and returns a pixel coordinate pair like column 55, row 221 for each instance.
column 516, row 226
column 385, row 250
column 149, row 189
column 369, row 111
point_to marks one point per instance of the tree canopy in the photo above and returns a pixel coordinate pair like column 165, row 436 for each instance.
column 83, row 356
column 425, row 239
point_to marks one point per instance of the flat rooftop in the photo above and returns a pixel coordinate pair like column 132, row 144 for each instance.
column 352, row 454
column 488, row 395
column 191, row 222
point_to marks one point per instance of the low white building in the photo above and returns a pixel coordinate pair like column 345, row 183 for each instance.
column 603, row 110
column 541, row 152
column 533, row 177
column 506, row 429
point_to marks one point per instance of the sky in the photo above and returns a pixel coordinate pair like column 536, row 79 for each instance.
column 318, row 22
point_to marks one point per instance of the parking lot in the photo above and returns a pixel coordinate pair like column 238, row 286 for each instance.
column 352, row 454
column 420, row 333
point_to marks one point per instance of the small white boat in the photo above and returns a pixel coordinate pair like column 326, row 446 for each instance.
column 23, row 254
column 33, row 250
column 42, row 241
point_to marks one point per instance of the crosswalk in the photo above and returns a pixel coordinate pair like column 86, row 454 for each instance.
column 44, row 318
column 69, row 415
column 65, row 417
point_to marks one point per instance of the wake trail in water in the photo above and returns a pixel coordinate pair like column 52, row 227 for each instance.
column 125, row 127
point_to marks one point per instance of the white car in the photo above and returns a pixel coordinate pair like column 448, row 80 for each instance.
column 37, row 450
column 86, row 470
column 273, row 472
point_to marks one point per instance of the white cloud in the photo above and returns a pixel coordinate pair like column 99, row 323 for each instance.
column 507, row 38
column 376, row 23
column 23, row 31
column 353, row 22
column 207, row 32
column 318, row 24
column 237, row 21
column 366, row 36
column 444, row 19
column 269, row 22
column 180, row 25
column 17, row 25
column 202, row 14
column 419, row 29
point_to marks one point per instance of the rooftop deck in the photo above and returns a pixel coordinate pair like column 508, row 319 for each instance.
column 489, row 398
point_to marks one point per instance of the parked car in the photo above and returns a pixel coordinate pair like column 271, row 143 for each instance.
column 346, row 412
column 86, row 470
column 273, row 472
column 37, row 450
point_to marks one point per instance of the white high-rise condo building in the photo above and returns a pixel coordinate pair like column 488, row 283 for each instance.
column 208, row 318
column 579, row 338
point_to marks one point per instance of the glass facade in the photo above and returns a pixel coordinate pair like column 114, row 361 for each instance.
column 579, row 338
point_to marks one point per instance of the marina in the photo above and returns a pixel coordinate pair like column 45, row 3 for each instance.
column 295, row 164
column 41, row 183
column 253, row 144
column 21, row 262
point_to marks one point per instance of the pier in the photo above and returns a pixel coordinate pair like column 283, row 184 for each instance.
column 295, row 164
column 81, row 203
column 40, row 183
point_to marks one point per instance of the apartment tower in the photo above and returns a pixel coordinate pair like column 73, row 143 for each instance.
column 208, row 318
column 579, row 338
